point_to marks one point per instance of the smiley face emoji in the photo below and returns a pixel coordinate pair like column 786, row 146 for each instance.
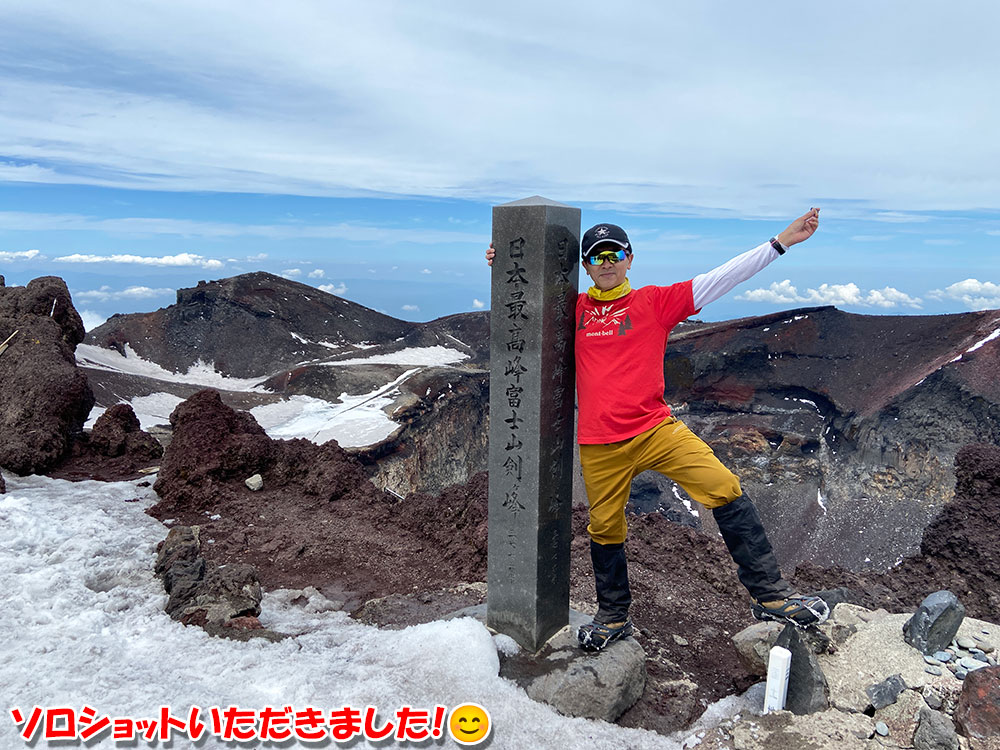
column 469, row 724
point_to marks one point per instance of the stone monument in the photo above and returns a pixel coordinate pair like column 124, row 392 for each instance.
column 532, row 387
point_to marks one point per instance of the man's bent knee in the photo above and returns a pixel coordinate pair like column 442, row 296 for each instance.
column 607, row 533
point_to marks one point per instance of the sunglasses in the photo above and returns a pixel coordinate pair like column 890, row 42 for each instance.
column 611, row 256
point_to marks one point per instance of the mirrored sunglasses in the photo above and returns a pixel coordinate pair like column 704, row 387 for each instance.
column 613, row 256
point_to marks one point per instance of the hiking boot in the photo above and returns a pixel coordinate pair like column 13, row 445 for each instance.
column 802, row 611
column 597, row 635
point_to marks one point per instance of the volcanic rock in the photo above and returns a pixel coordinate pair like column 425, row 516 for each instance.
column 44, row 398
column 978, row 711
column 960, row 550
column 935, row 731
column 935, row 622
column 116, row 449
column 807, row 689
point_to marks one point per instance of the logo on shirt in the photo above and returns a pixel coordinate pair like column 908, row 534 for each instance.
column 602, row 321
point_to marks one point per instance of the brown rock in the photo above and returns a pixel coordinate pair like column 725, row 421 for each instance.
column 44, row 398
column 978, row 711
column 117, row 433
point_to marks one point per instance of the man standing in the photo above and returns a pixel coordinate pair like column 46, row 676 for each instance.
column 625, row 426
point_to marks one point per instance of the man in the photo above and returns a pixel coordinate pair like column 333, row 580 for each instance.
column 625, row 426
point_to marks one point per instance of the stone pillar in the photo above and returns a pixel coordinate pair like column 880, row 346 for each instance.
column 532, row 388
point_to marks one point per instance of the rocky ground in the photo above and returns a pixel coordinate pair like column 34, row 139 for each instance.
column 319, row 522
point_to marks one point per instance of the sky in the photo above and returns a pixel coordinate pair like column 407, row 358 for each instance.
column 360, row 147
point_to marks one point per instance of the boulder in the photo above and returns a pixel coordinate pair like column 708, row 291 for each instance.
column 935, row 622
column 3, row 485
column 978, row 712
column 935, row 731
column 884, row 693
column 215, row 448
column 204, row 593
column 753, row 645
column 44, row 398
column 807, row 687
column 598, row 685
column 117, row 433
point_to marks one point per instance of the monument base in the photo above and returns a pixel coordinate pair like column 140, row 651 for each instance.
column 592, row 685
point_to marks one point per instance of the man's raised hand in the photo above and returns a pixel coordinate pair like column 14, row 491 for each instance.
column 801, row 229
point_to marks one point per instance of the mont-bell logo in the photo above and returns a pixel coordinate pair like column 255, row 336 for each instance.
column 605, row 319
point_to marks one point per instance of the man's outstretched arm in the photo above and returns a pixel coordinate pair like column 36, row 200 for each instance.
column 708, row 287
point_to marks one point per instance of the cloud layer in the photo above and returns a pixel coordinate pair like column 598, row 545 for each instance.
column 414, row 99
column 842, row 295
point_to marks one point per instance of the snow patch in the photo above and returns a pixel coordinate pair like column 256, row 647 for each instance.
column 200, row 373
column 419, row 355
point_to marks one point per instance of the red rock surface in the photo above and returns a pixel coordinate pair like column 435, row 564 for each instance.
column 978, row 711
column 44, row 398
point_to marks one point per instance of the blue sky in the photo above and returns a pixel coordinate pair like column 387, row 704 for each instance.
column 360, row 147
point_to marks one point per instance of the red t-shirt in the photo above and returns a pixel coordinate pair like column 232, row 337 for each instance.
column 619, row 360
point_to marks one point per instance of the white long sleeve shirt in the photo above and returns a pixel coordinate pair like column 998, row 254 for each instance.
column 708, row 287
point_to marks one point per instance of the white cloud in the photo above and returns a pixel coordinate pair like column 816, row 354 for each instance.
column 318, row 273
column 286, row 112
column 899, row 217
column 181, row 259
column 942, row 242
column 871, row 238
column 8, row 256
column 478, row 304
column 411, row 308
column 347, row 231
column 975, row 294
column 842, row 295
column 291, row 273
column 339, row 289
column 107, row 294
column 426, row 270
column 92, row 320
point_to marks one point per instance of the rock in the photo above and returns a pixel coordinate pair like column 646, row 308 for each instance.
column 932, row 697
column 970, row 665
column 935, row 731
column 203, row 593
column 807, row 686
column 901, row 717
column 870, row 656
column 44, row 398
column 882, row 728
column 601, row 685
column 3, row 485
column 680, row 640
column 884, row 693
column 978, row 711
column 215, row 447
column 943, row 656
column 117, row 433
column 255, row 482
column 783, row 731
column 935, row 622
column 753, row 645
column 965, row 642
column 936, row 671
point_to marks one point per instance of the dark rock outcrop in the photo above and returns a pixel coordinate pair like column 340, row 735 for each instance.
column 44, row 398
column 116, row 449
column 842, row 427
column 259, row 324
column 960, row 550
column 223, row 599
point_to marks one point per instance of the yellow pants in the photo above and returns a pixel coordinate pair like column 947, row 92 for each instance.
column 669, row 448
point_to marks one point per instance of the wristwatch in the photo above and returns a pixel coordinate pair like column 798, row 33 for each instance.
column 778, row 247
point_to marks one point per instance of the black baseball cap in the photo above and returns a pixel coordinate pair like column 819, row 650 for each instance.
column 604, row 233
